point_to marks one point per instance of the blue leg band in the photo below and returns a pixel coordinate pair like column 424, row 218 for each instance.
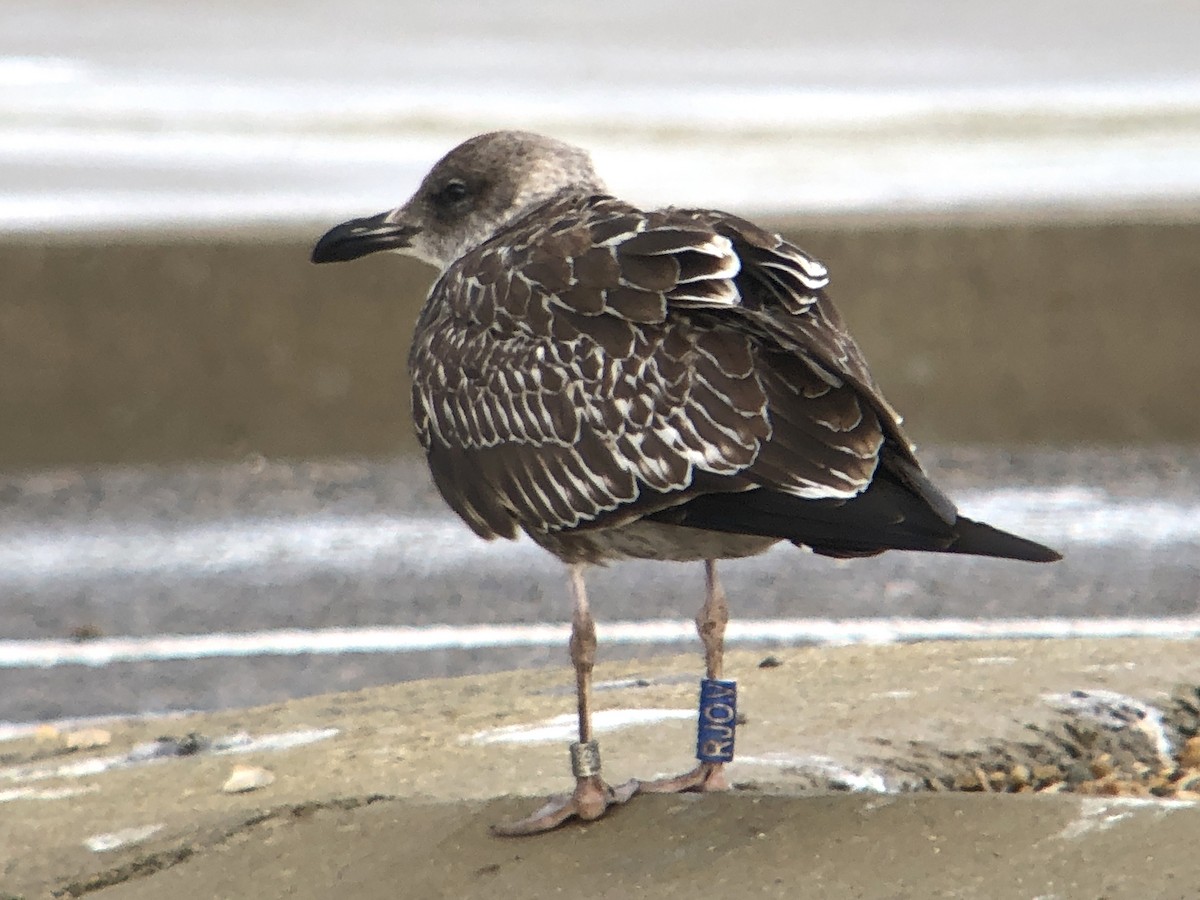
column 718, row 720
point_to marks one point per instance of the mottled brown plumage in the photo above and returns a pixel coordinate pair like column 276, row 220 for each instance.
column 666, row 384
column 594, row 364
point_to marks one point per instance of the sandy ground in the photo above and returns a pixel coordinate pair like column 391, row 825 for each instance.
column 1007, row 769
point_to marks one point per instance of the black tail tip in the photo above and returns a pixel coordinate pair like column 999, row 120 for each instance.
column 1047, row 554
column 979, row 539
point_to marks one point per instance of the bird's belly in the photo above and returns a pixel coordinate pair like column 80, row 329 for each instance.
column 651, row 540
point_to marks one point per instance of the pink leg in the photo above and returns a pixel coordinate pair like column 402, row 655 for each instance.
column 710, row 623
column 592, row 796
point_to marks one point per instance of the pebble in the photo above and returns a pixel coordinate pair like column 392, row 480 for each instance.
column 1105, row 774
column 45, row 734
column 1190, row 757
column 87, row 739
column 247, row 778
column 1102, row 765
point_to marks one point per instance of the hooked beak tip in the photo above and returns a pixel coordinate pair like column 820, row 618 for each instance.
column 360, row 237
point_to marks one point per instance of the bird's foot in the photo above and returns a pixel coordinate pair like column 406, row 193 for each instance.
column 708, row 776
column 590, row 800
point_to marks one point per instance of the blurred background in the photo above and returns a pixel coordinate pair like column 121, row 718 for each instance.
column 202, row 434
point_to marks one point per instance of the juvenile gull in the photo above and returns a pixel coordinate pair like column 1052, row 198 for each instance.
column 618, row 383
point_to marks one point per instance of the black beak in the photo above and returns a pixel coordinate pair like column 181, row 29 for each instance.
column 358, row 237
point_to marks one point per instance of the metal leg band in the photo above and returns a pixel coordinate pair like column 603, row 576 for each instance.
column 585, row 759
column 718, row 720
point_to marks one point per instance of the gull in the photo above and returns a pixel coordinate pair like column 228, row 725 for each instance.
column 620, row 383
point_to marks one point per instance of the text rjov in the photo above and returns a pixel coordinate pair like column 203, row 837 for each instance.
column 718, row 720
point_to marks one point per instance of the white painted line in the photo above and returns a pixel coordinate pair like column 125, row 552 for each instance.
column 564, row 727
column 162, row 750
column 101, row 843
column 13, row 730
column 65, row 793
column 824, row 767
column 284, row 740
column 105, row 651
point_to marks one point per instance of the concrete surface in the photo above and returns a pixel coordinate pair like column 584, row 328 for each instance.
column 991, row 770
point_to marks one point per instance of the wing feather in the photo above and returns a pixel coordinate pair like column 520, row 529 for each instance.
column 597, row 362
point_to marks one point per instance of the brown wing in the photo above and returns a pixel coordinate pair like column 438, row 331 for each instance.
column 783, row 301
column 614, row 362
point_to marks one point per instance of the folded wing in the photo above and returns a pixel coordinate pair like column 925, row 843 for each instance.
column 683, row 365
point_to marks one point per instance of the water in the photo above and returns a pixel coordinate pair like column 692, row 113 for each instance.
column 274, row 550
column 139, row 114
column 232, row 585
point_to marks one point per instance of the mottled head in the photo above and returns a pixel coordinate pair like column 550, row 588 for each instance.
column 471, row 193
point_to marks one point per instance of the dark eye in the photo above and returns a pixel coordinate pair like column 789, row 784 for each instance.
column 452, row 192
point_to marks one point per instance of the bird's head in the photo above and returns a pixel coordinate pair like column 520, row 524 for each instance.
column 471, row 193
